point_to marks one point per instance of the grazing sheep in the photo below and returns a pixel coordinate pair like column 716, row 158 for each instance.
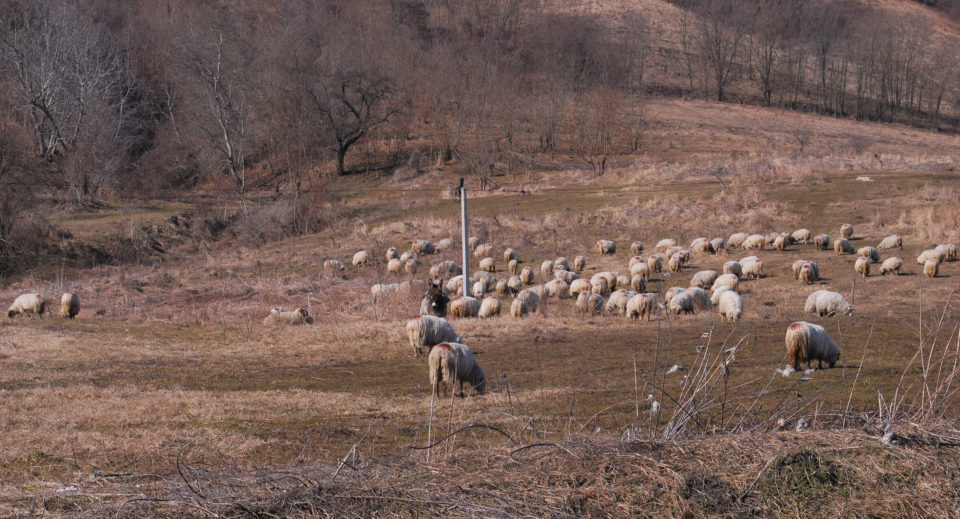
column 407, row 255
column 870, row 253
column 465, row 306
column 894, row 241
column 948, row 250
column 701, row 245
column 444, row 244
column 780, row 242
column 665, row 244
column 395, row 266
column 27, row 304
column 513, row 267
column 846, row 231
column 455, row 284
column 704, row 278
column 509, row 255
column 411, row 266
column 612, row 278
column 636, row 259
column 655, row 262
column 670, row 292
column 606, row 247
column 730, row 306
column 842, row 246
column 490, row 307
column 546, row 268
column 555, row 288
column 578, row 286
column 333, row 265
column 681, row 303
column 931, row 268
column 454, row 363
column 752, row 267
column 797, row 265
column 736, row 239
column 717, row 245
column 429, row 330
column 450, row 268
column 930, row 255
column 579, row 263
column 862, row 266
column 483, row 250
column 281, row 316
column 502, row 288
column 361, row 258
column 514, row 285
column 701, row 300
column 809, row 342
column 754, row 241
column 472, row 242
column 891, row 265
column 561, row 263
column 771, row 237
column 801, row 236
column 423, row 247
column 392, row 253
column 486, row 277
column 566, row 275
column 674, row 263
column 384, row 289
column 733, row 267
column 623, row 280
column 822, row 241
column 588, row 302
column 636, row 247
column 531, row 296
column 599, row 285
column 641, row 305
column 809, row 273
column 728, row 280
column 488, row 264
column 618, row 301
column 519, row 308
column 826, row 303
column 479, row 289
column 69, row 305
column 526, row 275
column 638, row 283
column 715, row 298
column 640, row 269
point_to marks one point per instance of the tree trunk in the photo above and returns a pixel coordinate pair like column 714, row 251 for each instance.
column 341, row 153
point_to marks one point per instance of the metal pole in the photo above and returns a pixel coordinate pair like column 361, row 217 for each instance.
column 465, row 239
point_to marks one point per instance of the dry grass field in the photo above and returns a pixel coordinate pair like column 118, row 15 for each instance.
column 168, row 397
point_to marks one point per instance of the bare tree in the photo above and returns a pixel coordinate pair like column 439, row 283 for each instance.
column 719, row 35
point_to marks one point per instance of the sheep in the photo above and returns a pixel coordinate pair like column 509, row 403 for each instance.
column 361, row 259
column 514, row 284
column 862, row 266
column 490, row 307
column 891, row 265
column 455, row 284
column 599, row 285
column 701, row 245
column 395, row 266
column 801, row 236
column 665, row 244
column 780, row 242
column 501, row 288
column 681, row 303
column 526, row 275
column 618, row 301
column 842, row 246
column 588, row 302
column 640, row 269
column 454, row 363
column 411, row 266
column 623, row 280
column 488, row 278
column 730, row 306
column 636, row 247
column 669, row 293
column 715, row 298
column 579, row 263
column 488, row 264
column 479, row 289
column 638, row 283
column 561, row 263
column 281, row 316
column 948, row 250
column 513, row 267
column 929, row 255
column 69, row 305
column 429, row 330
column 449, row 268
column 655, row 262
column 578, row 286
column 822, row 241
column 704, row 278
column 509, row 255
column 531, row 296
column 384, row 289
column 674, row 263
column 546, row 268
column 565, row 275
column 444, row 244
column 465, row 306
column 736, row 239
column 846, row 231
column 771, row 237
column 809, row 342
column 798, row 266
column 606, row 247
column 752, row 267
column 894, row 241
column 931, row 268
column 406, row 256
column 519, row 308
column 423, row 247
column 733, row 267
column 27, row 304
column 826, row 303
column 483, row 250
column 701, row 300
column 472, row 242
column 726, row 280
column 809, row 273
column 870, row 253
column 641, row 305
column 333, row 265
column 556, row 288
column 717, row 245
column 754, row 241
column 392, row 253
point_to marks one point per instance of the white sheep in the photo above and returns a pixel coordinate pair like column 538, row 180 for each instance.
column 638, row 283
column 579, row 263
column 531, row 296
column 599, row 285
column 514, row 285
column 717, row 245
column 681, row 303
column 754, row 241
column 797, row 265
column 641, row 305
column 701, row 245
column 728, row 280
column 822, row 241
column 623, row 280
column 450, row 268
column 578, row 286
column 501, row 288
column 472, row 242
column 640, row 269
column 69, row 305
column 411, row 266
column 870, row 253
column 606, row 247
column 827, row 303
column 392, row 253
column 715, row 298
column 455, row 285
column 465, row 306
column 655, row 262
column 490, row 307
column 483, row 250
column 281, row 316
column 930, row 255
column 333, row 265
column 618, row 301
column 733, row 267
column 842, row 246
column 395, row 266
column 931, row 268
column 701, row 300
column 809, row 342
column 891, row 265
column 566, row 275
column 546, row 268
column 730, row 306
column 454, row 363
column 556, row 288
column 669, row 293
column 636, row 247
column 665, row 244
column 479, row 289
column 444, row 244
column 429, row 330
column 780, row 242
column 736, row 239
column 561, row 263
column 488, row 264
column 675, row 263
column 846, row 231
column 406, row 256
column 948, row 250
column 509, row 255
column 809, row 273
column 526, row 275
column 28, row 304
column 513, row 267
column 519, row 308
column 894, row 241
column 361, row 258
column 704, row 278
column 801, row 236
column 588, row 302
column 862, row 266
column 752, row 267
column 423, row 247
